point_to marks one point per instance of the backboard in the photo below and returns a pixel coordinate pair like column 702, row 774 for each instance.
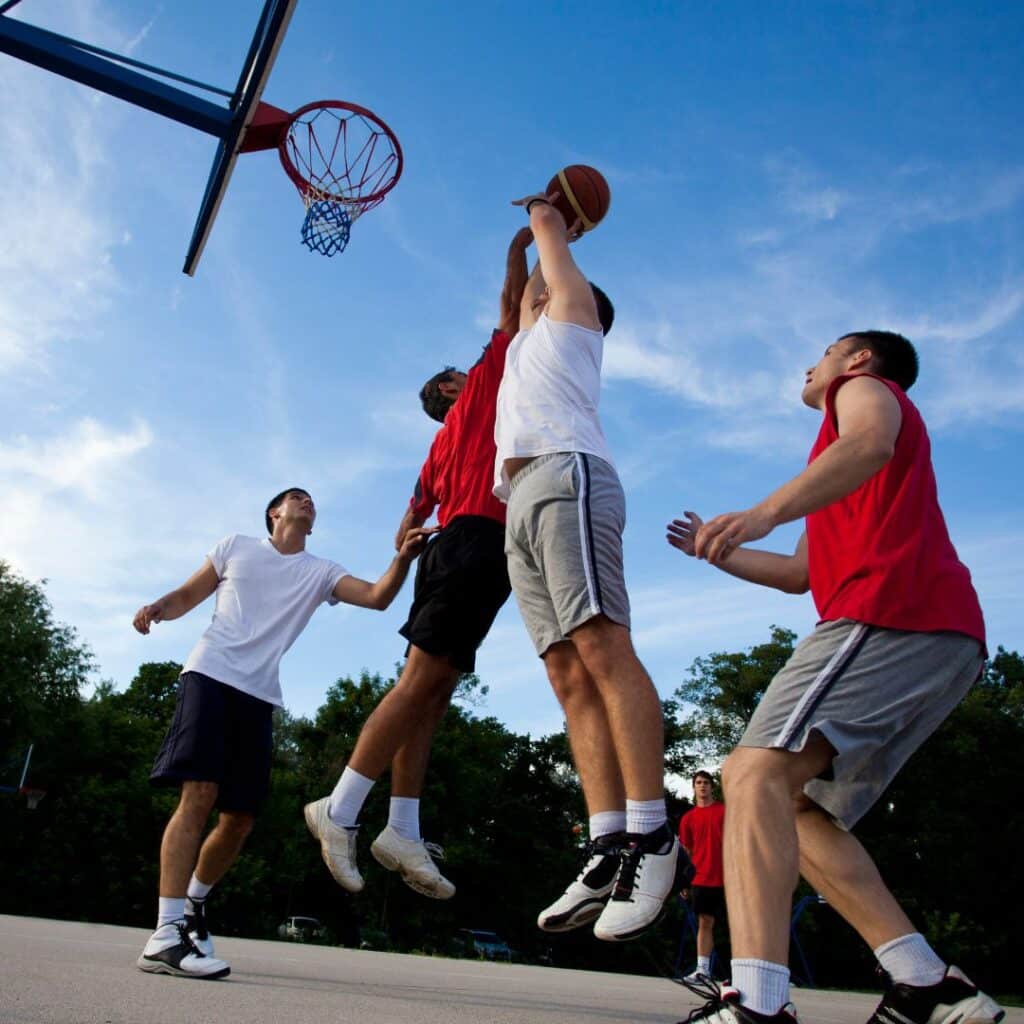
column 259, row 62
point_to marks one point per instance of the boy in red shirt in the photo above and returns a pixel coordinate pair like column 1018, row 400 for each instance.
column 900, row 641
column 700, row 832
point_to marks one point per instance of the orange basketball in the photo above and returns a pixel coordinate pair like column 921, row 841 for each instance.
column 584, row 195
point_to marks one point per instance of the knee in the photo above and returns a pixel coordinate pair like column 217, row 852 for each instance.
column 197, row 801
column 603, row 646
column 750, row 770
column 570, row 681
column 237, row 824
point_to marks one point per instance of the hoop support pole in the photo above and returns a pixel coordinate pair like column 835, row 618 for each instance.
column 62, row 56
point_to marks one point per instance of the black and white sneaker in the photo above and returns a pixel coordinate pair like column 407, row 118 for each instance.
column 954, row 1000
column 585, row 897
column 171, row 951
column 723, row 1006
column 195, row 918
column 652, row 867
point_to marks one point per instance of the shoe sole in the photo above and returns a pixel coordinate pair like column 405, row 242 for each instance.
column 635, row 933
column 159, row 967
column 981, row 1009
column 385, row 860
column 579, row 917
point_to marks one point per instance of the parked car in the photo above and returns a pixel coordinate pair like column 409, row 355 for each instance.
column 301, row 929
column 484, row 944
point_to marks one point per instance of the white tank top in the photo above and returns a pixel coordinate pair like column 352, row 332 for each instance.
column 548, row 397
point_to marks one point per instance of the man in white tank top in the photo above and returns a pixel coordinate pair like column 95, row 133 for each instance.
column 566, row 514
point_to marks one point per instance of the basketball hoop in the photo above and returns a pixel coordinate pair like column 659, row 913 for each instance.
column 32, row 796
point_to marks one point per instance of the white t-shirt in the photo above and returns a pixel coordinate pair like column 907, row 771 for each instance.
column 548, row 397
column 263, row 602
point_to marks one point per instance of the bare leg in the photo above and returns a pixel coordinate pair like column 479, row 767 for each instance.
column 632, row 708
column 761, row 851
column 409, row 766
column 590, row 737
column 180, row 843
column 838, row 867
column 705, row 934
column 398, row 717
column 223, row 845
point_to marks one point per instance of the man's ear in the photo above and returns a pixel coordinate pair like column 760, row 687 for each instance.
column 860, row 358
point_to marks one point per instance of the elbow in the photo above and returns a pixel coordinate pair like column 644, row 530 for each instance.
column 797, row 583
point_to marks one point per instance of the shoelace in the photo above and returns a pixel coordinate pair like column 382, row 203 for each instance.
column 625, row 880
column 705, row 989
column 435, row 850
column 186, row 939
column 197, row 921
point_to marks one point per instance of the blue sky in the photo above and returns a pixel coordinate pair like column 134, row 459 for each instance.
column 780, row 173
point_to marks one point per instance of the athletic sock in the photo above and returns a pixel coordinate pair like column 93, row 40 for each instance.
column 404, row 816
column 643, row 816
column 347, row 798
column 763, row 986
column 604, row 823
column 704, row 966
column 909, row 960
column 169, row 908
column 197, row 891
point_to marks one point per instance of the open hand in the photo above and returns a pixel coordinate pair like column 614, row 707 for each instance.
column 682, row 533
column 717, row 539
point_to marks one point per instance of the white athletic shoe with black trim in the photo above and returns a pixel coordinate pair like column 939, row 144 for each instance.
column 171, row 951
column 195, row 919
column 413, row 859
column 337, row 845
column 954, row 1000
column 586, row 896
column 652, row 867
column 723, row 1007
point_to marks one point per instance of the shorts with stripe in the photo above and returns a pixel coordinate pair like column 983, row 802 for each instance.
column 563, row 539
column 875, row 694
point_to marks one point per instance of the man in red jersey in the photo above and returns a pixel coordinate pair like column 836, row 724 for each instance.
column 700, row 832
column 460, row 588
column 900, row 641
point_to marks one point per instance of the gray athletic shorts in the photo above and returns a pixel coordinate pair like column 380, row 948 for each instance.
column 563, row 539
column 875, row 694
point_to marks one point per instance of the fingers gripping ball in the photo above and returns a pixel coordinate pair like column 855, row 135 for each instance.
column 584, row 194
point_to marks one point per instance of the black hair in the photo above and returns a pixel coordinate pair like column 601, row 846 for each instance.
column 605, row 309
column 276, row 500
column 703, row 775
column 436, row 405
column 895, row 357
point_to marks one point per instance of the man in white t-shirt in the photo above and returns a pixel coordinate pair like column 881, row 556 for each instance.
column 218, row 747
column 566, row 514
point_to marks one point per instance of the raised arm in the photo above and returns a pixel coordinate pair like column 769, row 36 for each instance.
column 868, row 417
column 787, row 573
column 572, row 300
column 379, row 595
column 196, row 589
column 516, row 276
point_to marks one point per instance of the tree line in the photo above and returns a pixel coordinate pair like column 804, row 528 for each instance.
column 506, row 808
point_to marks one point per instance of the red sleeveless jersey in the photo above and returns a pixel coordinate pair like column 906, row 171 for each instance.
column 882, row 555
column 458, row 475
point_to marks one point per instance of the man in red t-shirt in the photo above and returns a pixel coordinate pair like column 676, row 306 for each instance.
column 461, row 584
column 900, row 641
column 700, row 832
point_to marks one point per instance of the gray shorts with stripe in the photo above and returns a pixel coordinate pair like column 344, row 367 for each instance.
column 563, row 539
column 875, row 694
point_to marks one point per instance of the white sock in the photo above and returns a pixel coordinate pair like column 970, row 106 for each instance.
column 911, row 961
column 763, row 986
column 643, row 816
column 404, row 816
column 704, row 966
column 348, row 797
column 604, row 823
column 197, row 890
column 169, row 908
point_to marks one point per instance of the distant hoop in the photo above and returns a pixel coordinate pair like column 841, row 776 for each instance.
column 32, row 796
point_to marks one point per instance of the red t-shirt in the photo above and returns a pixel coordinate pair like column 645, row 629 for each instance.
column 458, row 475
column 882, row 555
column 700, row 832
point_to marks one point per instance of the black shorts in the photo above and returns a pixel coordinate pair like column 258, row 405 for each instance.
column 218, row 734
column 708, row 899
column 461, row 584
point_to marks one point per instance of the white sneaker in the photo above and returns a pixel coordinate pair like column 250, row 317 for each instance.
column 695, row 976
column 195, row 919
column 585, row 897
column 337, row 845
column 652, row 867
column 412, row 859
column 723, row 1007
column 171, row 951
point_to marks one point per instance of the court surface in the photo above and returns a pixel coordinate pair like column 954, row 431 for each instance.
column 62, row 972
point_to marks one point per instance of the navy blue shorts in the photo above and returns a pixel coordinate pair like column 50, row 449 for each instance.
column 218, row 734
column 461, row 584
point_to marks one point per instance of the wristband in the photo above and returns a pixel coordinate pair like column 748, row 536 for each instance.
column 536, row 199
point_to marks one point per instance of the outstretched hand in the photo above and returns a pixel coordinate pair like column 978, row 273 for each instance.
column 147, row 615
column 682, row 533
column 574, row 231
column 414, row 541
column 717, row 539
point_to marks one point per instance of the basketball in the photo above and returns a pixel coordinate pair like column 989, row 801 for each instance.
column 584, row 194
